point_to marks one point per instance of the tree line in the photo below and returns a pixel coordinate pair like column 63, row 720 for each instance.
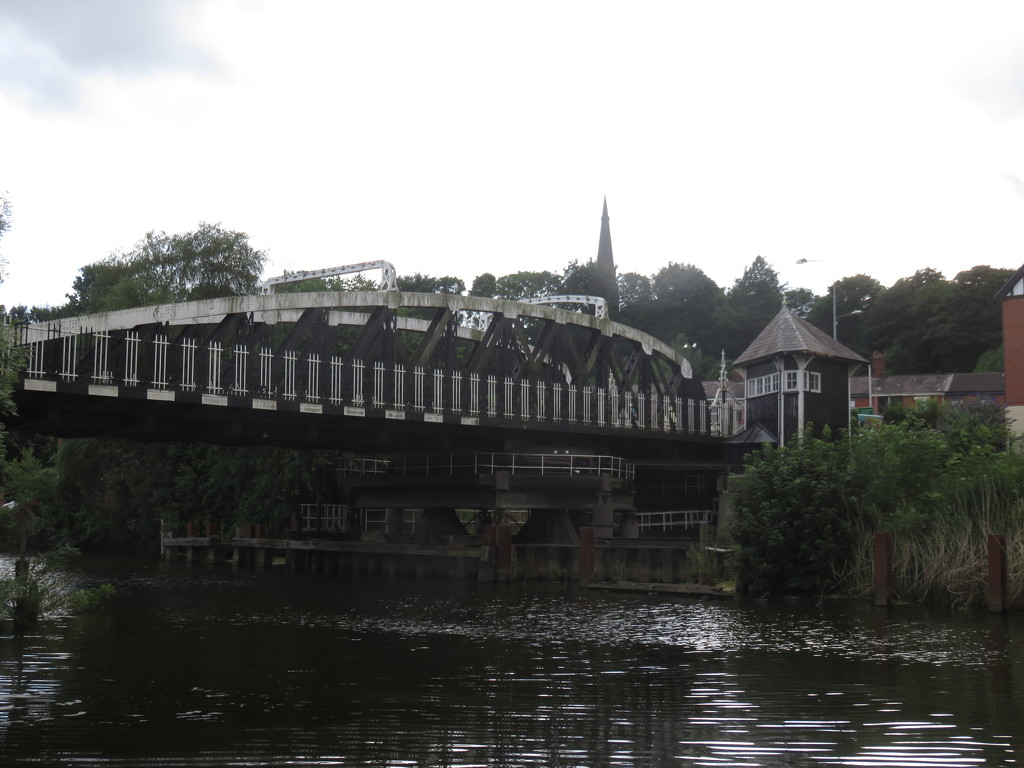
column 109, row 493
column 924, row 323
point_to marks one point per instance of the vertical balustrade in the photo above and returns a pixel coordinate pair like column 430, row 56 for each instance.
column 474, row 394
column 456, row 392
column 419, row 402
column 313, row 378
column 336, row 380
column 240, row 382
column 215, row 353
column 266, row 371
column 438, row 398
column 288, row 384
column 509, row 400
column 188, row 365
column 398, row 396
column 69, row 358
column 161, row 349
column 492, row 396
column 131, row 358
column 358, row 376
column 100, row 353
column 378, row 384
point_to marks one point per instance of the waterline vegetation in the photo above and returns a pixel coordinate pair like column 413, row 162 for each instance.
column 940, row 479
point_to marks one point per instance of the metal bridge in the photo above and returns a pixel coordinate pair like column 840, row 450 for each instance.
column 384, row 370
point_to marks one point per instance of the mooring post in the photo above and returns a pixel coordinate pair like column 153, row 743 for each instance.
column 586, row 554
column 883, row 569
column 998, row 601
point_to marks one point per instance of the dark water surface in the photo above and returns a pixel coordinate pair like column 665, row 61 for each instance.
column 197, row 666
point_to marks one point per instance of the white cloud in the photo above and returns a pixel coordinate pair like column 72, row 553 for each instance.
column 50, row 45
column 459, row 138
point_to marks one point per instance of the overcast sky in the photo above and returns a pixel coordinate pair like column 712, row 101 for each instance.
column 462, row 138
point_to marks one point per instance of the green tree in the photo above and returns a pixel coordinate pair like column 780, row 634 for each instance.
column 420, row 283
column 527, row 285
column 209, row 263
column 752, row 302
column 852, row 305
column 898, row 320
column 800, row 300
column 584, row 279
column 791, row 520
column 485, row 285
column 635, row 290
column 5, row 214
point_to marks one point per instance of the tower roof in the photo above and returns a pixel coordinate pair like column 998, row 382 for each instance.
column 787, row 333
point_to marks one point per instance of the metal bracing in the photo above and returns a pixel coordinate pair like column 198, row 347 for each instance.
column 392, row 350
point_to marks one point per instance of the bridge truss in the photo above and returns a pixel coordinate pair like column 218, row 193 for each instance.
column 425, row 358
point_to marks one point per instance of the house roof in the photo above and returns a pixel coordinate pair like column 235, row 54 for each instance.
column 1007, row 288
column 788, row 333
column 931, row 384
column 753, row 434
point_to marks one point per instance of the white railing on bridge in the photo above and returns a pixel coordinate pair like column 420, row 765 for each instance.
column 531, row 464
column 655, row 522
column 311, row 379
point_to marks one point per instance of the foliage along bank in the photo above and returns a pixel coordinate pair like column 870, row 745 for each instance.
column 940, row 478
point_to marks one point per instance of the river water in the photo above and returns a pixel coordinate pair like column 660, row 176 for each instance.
column 210, row 666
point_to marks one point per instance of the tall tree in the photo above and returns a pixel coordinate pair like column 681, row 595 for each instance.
column 420, row 283
column 684, row 300
column 634, row 290
column 485, row 285
column 898, row 317
column 752, row 302
column 854, row 297
column 526, row 285
column 209, row 263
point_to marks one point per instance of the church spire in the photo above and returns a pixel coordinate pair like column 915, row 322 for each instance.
column 604, row 245
column 607, row 280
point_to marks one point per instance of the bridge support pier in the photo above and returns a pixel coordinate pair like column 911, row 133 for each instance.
column 603, row 517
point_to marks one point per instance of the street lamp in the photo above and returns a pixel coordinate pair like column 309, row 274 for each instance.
column 835, row 319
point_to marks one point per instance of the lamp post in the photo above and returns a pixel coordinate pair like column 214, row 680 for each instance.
column 835, row 318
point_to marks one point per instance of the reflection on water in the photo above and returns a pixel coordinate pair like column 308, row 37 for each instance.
column 217, row 667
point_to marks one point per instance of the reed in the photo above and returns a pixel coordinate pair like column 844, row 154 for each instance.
column 944, row 561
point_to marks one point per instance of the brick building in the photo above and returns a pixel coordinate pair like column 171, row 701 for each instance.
column 1012, row 296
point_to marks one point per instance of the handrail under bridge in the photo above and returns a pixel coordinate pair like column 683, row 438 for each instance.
column 528, row 464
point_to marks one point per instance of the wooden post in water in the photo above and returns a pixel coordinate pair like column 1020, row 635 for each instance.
column 883, row 569
column 998, row 601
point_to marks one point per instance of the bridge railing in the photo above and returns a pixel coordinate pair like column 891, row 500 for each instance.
column 530, row 464
column 162, row 367
column 655, row 522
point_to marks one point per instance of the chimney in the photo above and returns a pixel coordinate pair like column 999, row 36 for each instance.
column 877, row 365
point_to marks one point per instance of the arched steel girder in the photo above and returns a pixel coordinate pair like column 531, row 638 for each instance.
column 433, row 331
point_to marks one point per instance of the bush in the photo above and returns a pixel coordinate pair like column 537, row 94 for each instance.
column 792, row 521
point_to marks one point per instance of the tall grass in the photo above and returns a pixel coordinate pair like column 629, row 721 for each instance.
column 944, row 562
